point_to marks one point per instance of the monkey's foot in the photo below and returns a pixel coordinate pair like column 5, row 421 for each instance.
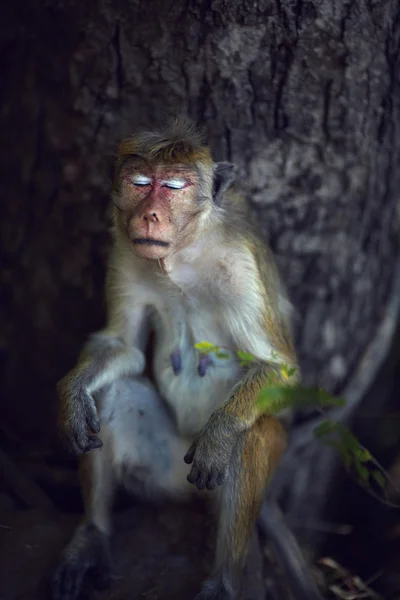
column 215, row 589
column 86, row 554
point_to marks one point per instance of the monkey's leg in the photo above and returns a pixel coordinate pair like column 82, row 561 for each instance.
column 88, row 550
column 141, row 449
column 253, row 462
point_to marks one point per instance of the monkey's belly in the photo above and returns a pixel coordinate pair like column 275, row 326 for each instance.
column 192, row 397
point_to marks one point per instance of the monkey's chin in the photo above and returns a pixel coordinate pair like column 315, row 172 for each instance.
column 151, row 251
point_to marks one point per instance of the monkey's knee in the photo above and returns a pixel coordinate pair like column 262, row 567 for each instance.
column 141, row 440
column 86, row 554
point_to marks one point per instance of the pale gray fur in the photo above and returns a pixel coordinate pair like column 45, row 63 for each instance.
column 142, row 447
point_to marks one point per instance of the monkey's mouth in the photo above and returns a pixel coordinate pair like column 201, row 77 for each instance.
column 150, row 242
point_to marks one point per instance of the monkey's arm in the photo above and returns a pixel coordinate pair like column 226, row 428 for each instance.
column 242, row 406
column 211, row 451
column 258, row 325
column 108, row 355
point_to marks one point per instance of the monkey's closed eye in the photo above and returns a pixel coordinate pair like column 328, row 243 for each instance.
column 175, row 184
column 140, row 180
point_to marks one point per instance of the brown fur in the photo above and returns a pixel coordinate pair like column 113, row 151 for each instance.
column 178, row 143
column 243, row 403
column 262, row 447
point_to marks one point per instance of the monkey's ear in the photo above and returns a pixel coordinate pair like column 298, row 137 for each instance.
column 224, row 174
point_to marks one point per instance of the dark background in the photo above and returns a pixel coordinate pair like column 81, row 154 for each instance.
column 305, row 98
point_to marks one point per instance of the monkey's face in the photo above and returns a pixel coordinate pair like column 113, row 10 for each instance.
column 156, row 206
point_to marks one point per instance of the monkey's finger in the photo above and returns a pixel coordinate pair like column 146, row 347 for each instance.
column 212, row 480
column 202, row 479
column 188, row 458
column 92, row 417
column 221, row 477
column 94, row 426
column 93, row 443
column 74, row 444
column 193, row 475
column 80, row 442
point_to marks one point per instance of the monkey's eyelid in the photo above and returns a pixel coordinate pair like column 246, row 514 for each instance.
column 176, row 184
column 140, row 180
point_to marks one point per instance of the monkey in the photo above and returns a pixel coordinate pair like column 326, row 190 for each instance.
column 187, row 264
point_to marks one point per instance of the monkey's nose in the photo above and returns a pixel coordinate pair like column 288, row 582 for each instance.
column 151, row 217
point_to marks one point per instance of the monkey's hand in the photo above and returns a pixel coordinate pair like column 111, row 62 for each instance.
column 210, row 453
column 78, row 415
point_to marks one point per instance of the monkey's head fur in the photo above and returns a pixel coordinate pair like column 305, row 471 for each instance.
column 166, row 184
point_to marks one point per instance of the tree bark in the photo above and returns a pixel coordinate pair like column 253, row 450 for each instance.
column 302, row 95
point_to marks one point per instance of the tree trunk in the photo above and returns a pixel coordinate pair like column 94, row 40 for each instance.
column 303, row 96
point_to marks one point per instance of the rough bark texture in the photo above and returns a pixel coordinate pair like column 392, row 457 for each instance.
column 303, row 96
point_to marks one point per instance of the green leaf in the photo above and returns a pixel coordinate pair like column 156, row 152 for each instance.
column 271, row 399
column 327, row 399
column 346, row 456
column 325, row 428
column 206, row 347
column 379, row 478
column 245, row 356
column 363, row 455
column 362, row 471
column 284, row 371
column 350, row 450
column 275, row 398
column 287, row 372
column 222, row 355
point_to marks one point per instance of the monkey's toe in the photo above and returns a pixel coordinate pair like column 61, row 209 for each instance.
column 87, row 554
column 213, row 590
column 101, row 577
column 68, row 580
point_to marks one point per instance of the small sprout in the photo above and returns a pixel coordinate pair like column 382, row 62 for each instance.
column 220, row 354
column 245, row 356
column 206, row 347
column 246, row 359
column 287, row 372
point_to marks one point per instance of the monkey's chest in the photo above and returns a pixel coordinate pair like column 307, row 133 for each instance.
column 193, row 383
